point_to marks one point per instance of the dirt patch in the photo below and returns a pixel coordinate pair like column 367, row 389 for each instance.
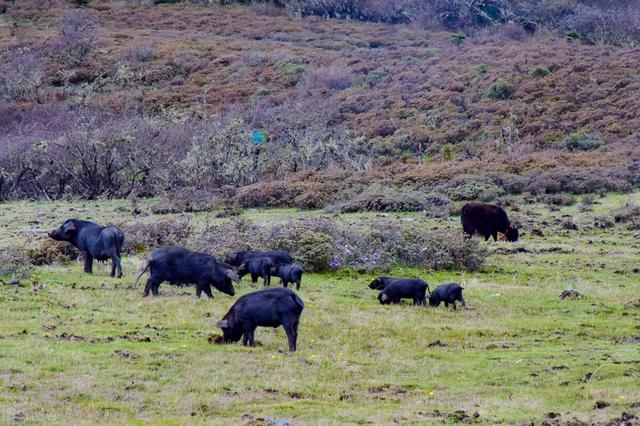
column 626, row 419
column 458, row 416
column 497, row 345
column 126, row 354
column 385, row 391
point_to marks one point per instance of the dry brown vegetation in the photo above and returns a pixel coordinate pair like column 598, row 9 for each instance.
column 342, row 104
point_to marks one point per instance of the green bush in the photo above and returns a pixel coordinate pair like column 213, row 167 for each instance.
column 581, row 141
column 572, row 35
column 539, row 72
column 501, row 90
column 475, row 190
column 314, row 251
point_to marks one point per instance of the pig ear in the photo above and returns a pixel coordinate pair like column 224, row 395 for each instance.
column 233, row 276
column 222, row 324
column 70, row 226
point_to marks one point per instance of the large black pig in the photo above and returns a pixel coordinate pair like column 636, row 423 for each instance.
column 392, row 290
column 447, row 293
column 181, row 266
column 271, row 307
column 94, row 241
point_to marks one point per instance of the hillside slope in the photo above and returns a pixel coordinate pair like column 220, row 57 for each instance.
column 335, row 95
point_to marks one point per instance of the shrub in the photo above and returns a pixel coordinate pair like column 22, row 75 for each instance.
column 559, row 200
column 501, row 90
column 76, row 40
column 582, row 141
column 14, row 260
column 334, row 77
column 447, row 152
column 230, row 236
column 539, row 72
column 22, row 78
column 630, row 212
column 142, row 237
column 186, row 200
column 319, row 243
column 475, row 190
column 314, row 251
column 618, row 25
column 50, row 251
column 603, row 222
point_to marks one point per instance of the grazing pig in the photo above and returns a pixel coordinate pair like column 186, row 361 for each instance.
column 94, row 241
column 258, row 267
column 394, row 289
column 276, row 256
column 487, row 220
column 447, row 293
column 181, row 266
column 269, row 307
column 288, row 274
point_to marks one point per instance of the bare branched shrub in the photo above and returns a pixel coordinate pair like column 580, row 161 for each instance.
column 142, row 237
column 22, row 78
column 186, row 200
column 333, row 77
column 76, row 40
column 14, row 260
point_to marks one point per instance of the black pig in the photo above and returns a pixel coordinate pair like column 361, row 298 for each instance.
column 487, row 220
column 181, row 266
column 288, row 274
column 258, row 267
column 269, row 307
column 447, row 293
column 94, row 241
column 394, row 289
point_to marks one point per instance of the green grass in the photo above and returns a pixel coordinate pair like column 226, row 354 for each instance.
column 90, row 349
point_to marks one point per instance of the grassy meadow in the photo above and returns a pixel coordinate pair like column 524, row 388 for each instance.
column 89, row 349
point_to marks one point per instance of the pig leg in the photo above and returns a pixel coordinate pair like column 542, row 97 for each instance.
column 207, row 290
column 119, row 265
column 88, row 262
column 298, row 284
column 113, row 268
column 494, row 234
column 151, row 286
column 453, row 304
column 254, row 279
column 291, row 328
column 285, row 283
column 462, row 302
column 248, row 336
